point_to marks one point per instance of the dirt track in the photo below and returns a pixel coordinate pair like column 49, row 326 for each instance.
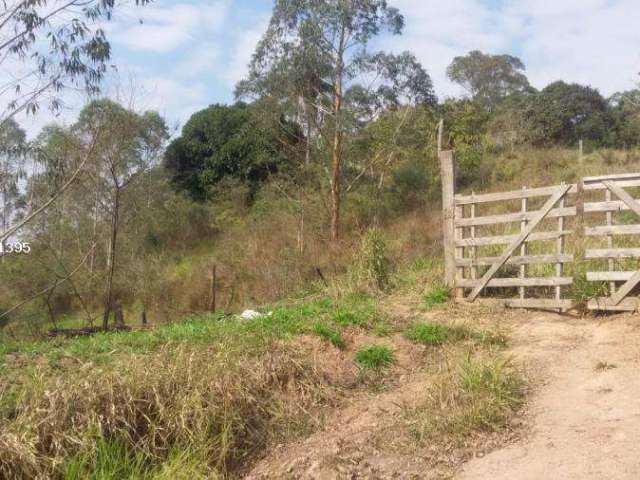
column 584, row 421
column 581, row 422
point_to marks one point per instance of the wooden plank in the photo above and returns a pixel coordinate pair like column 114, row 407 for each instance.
column 516, row 260
column 474, row 249
column 518, row 282
column 629, row 304
column 625, row 289
column 611, row 261
column 610, row 276
column 540, row 215
column 604, row 231
column 523, row 249
column 458, row 235
column 448, row 180
column 624, row 196
column 540, row 303
column 615, row 176
column 511, row 195
column 621, row 183
column 507, row 239
column 612, row 253
column 598, row 207
column 560, row 251
column 514, row 217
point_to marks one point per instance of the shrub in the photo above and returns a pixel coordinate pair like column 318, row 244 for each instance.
column 372, row 264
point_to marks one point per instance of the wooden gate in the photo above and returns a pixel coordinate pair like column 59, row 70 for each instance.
column 618, row 256
column 516, row 241
column 476, row 271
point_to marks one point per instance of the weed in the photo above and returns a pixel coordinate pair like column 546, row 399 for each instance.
column 374, row 357
column 603, row 366
column 439, row 294
column 328, row 333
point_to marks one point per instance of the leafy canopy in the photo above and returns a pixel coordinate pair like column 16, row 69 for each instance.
column 228, row 142
column 488, row 78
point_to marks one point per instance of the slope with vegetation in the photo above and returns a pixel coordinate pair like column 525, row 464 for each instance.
column 316, row 197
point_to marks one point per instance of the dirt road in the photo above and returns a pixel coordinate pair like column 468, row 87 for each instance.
column 582, row 419
column 584, row 414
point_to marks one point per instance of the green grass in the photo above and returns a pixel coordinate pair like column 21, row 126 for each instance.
column 438, row 334
column 330, row 334
column 111, row 460
column 438, row 295
column 374, row 357
column 287, row 320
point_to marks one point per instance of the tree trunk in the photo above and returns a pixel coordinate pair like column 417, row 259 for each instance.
column 112, row 260
column 336, row 150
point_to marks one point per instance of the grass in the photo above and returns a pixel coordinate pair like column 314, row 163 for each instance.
column 438, row 334
column 477, row 394
column 287, row 320
column 438, row 295
column 333, row 336
column 216, row 382
column 374, row 357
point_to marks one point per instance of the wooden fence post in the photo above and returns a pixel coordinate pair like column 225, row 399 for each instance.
column 448, row 179
column 212, row 302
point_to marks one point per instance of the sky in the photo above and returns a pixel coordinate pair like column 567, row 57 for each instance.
column 179, row 56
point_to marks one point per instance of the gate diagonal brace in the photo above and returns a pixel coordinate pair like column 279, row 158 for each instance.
column 625, row 289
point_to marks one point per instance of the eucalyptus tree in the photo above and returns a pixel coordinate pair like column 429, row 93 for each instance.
column 314, row 52
column 127, row 145
column 48, row 45
column 12, row 150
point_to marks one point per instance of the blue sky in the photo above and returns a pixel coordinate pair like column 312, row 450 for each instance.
column 187, row 54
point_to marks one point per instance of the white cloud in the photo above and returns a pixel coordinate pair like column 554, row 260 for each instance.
column 594, row 42
column 163, row 29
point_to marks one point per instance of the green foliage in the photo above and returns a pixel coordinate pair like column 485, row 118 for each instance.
column 438, row 295
column 488, row 78
column 330, row 334
column 223, row 142
column 374, row 357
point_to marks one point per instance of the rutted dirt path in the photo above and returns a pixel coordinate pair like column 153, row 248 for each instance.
column 584, row 414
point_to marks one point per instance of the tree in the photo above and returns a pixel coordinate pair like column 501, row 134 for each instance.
column 12, row 146
column 488, row 78
column 625, row 111
column 127, row 146
column 229, row 142
column 51, row 44
column 564, row 113
column 334, row 36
